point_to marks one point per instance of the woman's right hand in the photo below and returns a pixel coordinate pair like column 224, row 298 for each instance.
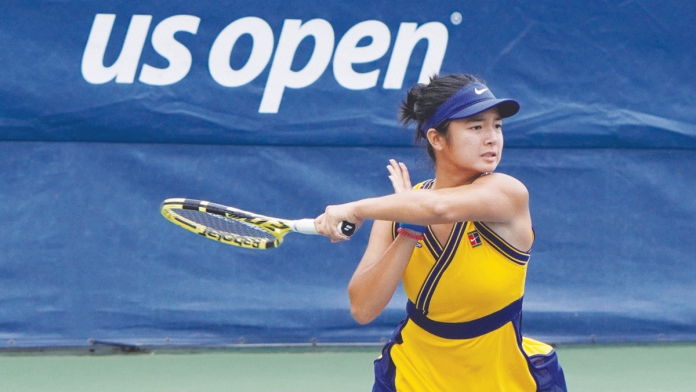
column 327, row 223
column 398, row 174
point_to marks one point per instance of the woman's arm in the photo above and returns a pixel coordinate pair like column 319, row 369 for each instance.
column 496, row 198
column 378, row 275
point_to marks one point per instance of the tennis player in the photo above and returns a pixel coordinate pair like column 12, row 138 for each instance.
column 461, row 243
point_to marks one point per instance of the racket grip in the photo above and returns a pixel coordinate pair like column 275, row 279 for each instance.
column 347, row 228
column 306, row 226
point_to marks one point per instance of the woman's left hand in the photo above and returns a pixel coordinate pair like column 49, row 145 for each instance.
column 327, row 223
column 398, row 174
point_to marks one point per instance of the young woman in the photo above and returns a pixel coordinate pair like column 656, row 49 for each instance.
column 460, row 243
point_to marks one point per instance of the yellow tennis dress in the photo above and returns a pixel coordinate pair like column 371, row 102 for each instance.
column 464, row 315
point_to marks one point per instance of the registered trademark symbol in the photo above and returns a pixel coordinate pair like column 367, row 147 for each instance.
column 456, row 18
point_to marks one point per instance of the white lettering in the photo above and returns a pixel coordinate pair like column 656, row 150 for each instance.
column 348, row 53
column 408, row 36
column 125, row 67
column 281, row 76
column 167, row 46
column 219, row 59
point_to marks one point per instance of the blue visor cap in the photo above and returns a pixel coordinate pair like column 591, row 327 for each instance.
column 471, row 99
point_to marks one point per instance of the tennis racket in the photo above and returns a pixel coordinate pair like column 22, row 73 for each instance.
column 237, row 227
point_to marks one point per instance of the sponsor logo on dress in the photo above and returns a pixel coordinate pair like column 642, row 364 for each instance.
column 474, row 238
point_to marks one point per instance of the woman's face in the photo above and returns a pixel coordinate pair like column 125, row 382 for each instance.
column 474, row 143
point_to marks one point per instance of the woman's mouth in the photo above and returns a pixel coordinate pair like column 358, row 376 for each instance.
column 489, row 156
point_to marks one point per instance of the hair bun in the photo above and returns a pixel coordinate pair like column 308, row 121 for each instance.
column 409, row 108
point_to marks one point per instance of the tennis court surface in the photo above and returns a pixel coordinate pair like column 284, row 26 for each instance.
column 588, row 368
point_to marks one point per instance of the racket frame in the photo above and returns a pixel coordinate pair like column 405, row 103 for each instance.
column 278, row 228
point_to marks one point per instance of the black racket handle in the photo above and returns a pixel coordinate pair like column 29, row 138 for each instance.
column 347, row 228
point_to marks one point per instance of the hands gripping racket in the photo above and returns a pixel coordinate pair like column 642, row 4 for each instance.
column 236, row 227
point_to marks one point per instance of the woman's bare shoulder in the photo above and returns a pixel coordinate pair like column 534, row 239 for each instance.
column 504, row 182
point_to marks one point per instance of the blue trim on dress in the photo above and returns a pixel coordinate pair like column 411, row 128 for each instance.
column 544, row 368
column 432, row 243
column 427, row 184
column 385, row 369
column 503, row 247
column 445, row 259
column 465, row 330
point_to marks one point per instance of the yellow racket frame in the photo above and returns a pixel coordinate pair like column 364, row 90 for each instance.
column 278, row 228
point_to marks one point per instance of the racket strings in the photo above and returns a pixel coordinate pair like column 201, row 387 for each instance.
column 224, row 225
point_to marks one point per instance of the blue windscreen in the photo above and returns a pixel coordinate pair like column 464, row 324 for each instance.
column 108, row 108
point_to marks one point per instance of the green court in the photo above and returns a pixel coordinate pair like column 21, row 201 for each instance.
column 588, row 368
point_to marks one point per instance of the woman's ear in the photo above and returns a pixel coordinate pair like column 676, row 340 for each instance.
column 436, row 140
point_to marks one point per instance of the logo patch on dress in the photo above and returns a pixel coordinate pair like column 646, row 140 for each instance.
column 474, row 238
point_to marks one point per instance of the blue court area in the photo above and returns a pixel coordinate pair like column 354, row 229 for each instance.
column 588, row 368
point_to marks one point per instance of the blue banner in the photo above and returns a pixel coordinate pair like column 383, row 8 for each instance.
column 86, row 253
column 589, row 74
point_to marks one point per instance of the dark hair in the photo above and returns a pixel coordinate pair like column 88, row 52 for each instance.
column 423, row 99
